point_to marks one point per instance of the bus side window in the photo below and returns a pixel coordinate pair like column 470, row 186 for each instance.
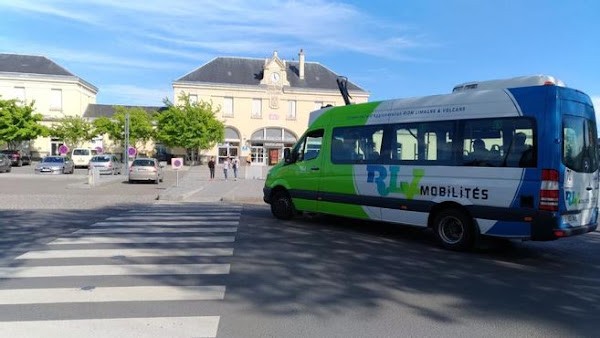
column 521, row 152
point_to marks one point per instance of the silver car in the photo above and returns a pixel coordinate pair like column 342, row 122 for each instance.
column 146, row 169
column 5, row 165
column 106, row 164
column 55, row 165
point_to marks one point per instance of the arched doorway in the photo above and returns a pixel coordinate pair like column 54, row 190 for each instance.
column 268, row 144
column 231, row 146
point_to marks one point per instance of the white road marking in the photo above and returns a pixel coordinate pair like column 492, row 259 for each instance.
column 137, row 229
column 175, row 213
column 114, row 270
column 167, row 223
column 182, row 218
column 201, row 326
column 141, row 239
column 125, row 253
column 111, row 294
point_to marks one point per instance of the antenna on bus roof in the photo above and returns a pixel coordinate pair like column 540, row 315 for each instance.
column 342, row 82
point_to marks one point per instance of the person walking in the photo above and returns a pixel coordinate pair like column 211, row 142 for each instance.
column 211, row 167
column 235, row 164
column 226, row 166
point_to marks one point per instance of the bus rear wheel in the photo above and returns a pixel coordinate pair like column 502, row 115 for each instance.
column 454, row 230
column 282, row 206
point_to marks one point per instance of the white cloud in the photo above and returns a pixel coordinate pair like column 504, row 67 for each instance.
column 49, row 9
column 132, row 95
column 92, row 58
column 237, row 26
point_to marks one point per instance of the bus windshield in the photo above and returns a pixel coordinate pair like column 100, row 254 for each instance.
column 580, row 144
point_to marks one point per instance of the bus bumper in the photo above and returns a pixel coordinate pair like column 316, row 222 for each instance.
column 545, row 228
column 267, row 195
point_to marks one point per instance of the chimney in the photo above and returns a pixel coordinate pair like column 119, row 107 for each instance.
column 301, row 64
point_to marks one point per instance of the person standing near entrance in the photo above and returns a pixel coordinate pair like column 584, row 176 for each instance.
column 226, row 165
column 211, row 167
column 235, row 164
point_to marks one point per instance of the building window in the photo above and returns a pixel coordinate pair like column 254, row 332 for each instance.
column 193, row 98
column 20, row 94
column 228, row 106
column 291, row 110
column 56, row 99
column 256, row 108
column 318, row 105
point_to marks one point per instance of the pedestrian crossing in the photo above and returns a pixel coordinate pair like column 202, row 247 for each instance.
column 156, row 272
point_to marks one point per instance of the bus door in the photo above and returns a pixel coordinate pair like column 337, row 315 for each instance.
column 304, row 172
column 352, row 158
column 580, row 159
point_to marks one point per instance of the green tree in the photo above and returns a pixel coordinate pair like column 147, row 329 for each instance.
column 19, row 123
column 141, row 126
column 192, row 126
column 73, row 130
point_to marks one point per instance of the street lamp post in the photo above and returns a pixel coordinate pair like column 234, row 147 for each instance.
column 126, row 150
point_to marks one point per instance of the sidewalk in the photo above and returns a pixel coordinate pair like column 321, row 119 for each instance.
column 195, row 186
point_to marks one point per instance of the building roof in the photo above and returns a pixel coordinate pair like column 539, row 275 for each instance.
column 27, row 65
column 94, row 110
column 246, row 71
column 30, row 64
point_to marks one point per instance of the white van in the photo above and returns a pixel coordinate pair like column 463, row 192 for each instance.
column 81, row 156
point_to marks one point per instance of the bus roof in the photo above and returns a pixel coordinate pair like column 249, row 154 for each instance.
column 494, row 95
column 515, row 82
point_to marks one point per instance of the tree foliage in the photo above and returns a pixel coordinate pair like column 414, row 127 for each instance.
column 192, row 126
column 19, row 123
column 141, row 126
column 73, row 130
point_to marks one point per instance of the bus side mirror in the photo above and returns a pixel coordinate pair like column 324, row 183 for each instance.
column 287, row 155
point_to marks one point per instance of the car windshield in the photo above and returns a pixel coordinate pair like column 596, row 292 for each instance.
column 81, row 152
column 101, row 159
column 143, row 163
column 53, row 160
column 9, row 151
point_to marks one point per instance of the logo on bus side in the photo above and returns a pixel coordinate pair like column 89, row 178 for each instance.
column 572, row 197
column 378, row 174
column 409, row 189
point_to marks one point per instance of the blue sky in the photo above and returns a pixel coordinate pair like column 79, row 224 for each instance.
column 133, row 50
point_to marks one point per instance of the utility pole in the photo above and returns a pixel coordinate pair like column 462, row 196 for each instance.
column 126, row 143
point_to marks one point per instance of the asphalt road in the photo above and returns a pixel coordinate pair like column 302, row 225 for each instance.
column 206, row 269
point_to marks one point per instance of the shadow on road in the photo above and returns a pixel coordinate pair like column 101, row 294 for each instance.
column 329, row 265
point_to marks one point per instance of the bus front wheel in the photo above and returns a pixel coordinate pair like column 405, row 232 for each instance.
column 281, row 206
column 454, row 230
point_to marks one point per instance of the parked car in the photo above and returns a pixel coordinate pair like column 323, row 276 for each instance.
column 82, row 156
column 5, row 164
column 106, row 164
column 55, row 165
column 146, row 169
column 18, row 157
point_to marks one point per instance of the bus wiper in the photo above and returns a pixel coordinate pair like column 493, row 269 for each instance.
column 342, row 83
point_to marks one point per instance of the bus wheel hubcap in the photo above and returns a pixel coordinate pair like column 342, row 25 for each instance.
column 451, row 230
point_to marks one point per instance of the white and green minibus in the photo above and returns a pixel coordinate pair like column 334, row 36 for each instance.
column 514, row 158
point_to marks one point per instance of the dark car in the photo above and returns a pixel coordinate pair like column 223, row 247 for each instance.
column 17, row 157
column 4, row 164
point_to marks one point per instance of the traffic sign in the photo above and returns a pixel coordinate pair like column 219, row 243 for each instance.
column 99, row 150
column 63, row 149
column 177, row 163
column 131, row 151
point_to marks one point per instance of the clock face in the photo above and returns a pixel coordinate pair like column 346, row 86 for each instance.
column 275, row 77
